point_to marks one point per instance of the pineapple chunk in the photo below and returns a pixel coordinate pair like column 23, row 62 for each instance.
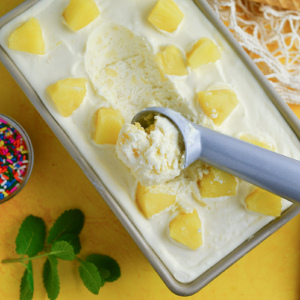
column 171, row 62
column 68, row 94
column 28, row 38
column 217, row 183
column 257, row 142
column 80, row 13
column 152, row 202
column 166, row 15
column 203, row 52
column 264, row 202
column 186, row 229
column 218, row 104
column 108, row 125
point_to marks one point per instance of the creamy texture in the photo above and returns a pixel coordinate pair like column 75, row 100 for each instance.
column 122, row 68
column 154, row 157
column 225, row 222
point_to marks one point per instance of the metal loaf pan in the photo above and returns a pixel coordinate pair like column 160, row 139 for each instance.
column 175, row 286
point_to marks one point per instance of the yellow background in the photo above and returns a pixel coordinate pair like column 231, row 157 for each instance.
column 270, row 271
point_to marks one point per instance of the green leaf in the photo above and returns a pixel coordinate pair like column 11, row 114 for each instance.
column 25, row 291
column 70, row 222
column 107, row 263
column 63, row 250
column 31, row 237
column 72, row 239
column 30, row 275
column 104, row 273
column 90, row 276
column 50, row 277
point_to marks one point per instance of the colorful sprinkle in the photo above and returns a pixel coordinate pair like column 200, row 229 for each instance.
column 13, row 159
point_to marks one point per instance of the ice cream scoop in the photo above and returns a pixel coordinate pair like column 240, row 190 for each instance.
column 269, row 170
column 154, row 155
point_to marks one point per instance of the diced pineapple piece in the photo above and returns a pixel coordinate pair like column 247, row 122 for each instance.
column 68, row 94
column 186, row 229
column 152, row 202
column 171, row 61
column 147, row 129
column 264, row 202
column 217, row 183
column 218, row 104
column 108, row 125
column 166, row 16
column 28, row 38
column 80, row 13
column 257, row 142
column 203, row 52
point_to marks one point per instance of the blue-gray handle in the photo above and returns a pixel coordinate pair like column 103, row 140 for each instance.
column 269, row 170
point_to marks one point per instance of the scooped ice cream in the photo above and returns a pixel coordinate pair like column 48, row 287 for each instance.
column 154, row 155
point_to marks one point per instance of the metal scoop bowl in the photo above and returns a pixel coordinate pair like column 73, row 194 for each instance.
column 271, row 171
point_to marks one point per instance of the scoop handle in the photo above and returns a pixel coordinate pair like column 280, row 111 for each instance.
column 269, row 170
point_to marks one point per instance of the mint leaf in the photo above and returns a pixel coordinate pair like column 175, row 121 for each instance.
column 72, row 239
column 107, row 263
column 30, row 275
column 50, row 277
column 31, row 237
column 104, row 273
column 71, row 221
column 63, row 250
column 90, row 276
column 25, row 291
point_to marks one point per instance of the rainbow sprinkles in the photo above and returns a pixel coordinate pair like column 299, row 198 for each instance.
column 13, row 159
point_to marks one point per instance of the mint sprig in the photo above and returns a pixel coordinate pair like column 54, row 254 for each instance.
column 73, row 240
column 106, row 266
column 63, row 242
column 30, row 275
column 26, row 288
column 90, row 276
column 50, row 277
column 31, row 237
column 63, row 250
column 70, row 222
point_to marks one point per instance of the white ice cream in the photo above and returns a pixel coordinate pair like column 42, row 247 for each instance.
column 225, row 222
column 154, row 157
column 122, row 68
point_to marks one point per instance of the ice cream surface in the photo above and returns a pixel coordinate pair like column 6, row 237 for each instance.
column 116, row 54
column 153, row 155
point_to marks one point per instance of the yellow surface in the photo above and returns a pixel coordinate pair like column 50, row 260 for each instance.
column 296, row 109
column 269, row 272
